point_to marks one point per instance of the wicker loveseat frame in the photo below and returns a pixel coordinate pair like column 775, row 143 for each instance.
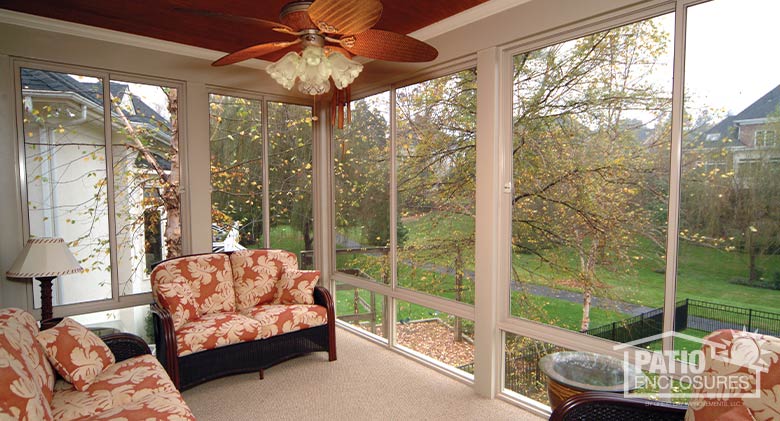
column 614, row 406
column 193, row 369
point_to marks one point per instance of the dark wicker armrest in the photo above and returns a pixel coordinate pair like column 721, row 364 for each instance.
column 322, row 297
column 126, row 345
column 165, row 340
column 614, row 406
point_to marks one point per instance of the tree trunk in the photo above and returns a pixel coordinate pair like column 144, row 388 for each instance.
column 308, row 241
column 586, row 298
column 588, row 274
column 170, row 194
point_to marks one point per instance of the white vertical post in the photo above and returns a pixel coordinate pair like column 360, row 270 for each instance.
column 390, row 302
column 266, row 177
column 196, row 168
column 674, row 174
column 488, row 247
column 322, row 196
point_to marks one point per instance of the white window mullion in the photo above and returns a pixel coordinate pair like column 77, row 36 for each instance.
column 675, row 175
column 107, row 123
column 390, row 309
column 266, row 178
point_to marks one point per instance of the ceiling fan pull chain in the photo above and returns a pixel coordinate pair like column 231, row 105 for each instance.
column 348, row 101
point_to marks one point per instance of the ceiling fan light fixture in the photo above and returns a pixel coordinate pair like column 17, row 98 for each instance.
column 314, row 71
column 343, row 70
column 285, row 71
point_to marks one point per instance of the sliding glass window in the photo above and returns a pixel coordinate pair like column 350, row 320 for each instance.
column 728, row 274
column 435, row 143
column 591, row 128
column 236, row 143
column 290, row 180
column 361, row 165
column 114, row 201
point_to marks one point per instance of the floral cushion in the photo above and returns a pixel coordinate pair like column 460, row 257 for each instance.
column 176, row 297
column 20, row 328
column 283, row 257
column 134, row 389
column 732, row 354
column 296, row 287
column 215, row 330
column 209, row 275
column 255, row 273
column 77, row 354
column 276, row 319
column 23, row 394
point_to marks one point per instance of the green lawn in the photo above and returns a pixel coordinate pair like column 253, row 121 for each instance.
column 555, row 311
column 703, row 273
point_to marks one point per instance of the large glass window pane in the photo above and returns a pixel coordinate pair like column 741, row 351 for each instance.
column 136, row 320
column 236, row 142
column 437, row 335
column 728, row 273
column 591, row 132
column 147, row 206
column 290, row 182
column 361, row 308
column 436, row 159
column 362, row 194
column 65, row 164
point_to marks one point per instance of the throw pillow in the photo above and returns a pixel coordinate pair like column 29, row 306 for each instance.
column 75, row 352
column 176, row 296
column 296, row 286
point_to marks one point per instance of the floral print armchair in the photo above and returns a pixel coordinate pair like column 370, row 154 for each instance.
column 134, row 387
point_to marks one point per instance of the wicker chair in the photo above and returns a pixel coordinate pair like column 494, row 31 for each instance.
column 614, row 406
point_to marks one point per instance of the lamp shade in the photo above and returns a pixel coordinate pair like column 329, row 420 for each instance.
column 44, row 257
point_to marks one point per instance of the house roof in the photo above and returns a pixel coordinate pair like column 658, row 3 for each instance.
column 759, row 109
column 142, row 113
column 762, row 107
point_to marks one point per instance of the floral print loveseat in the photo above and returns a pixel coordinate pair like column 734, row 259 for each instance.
column 132, row 385
column 217, row 314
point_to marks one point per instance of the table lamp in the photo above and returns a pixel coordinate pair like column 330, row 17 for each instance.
column 44, row 259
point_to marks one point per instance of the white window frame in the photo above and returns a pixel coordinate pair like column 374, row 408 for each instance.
column 116, row 301
column 393, row 292
column 264, row 99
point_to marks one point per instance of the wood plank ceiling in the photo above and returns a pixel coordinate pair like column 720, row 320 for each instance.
column 169, row 19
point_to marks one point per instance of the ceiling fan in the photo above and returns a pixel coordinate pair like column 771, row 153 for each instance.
column 328, row 33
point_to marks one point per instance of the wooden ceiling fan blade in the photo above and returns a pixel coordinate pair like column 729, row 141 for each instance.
column 345, row 17
column 233, row 18
column 330, row 49
column 253, row 52
column 276, row 55
column 390, row 46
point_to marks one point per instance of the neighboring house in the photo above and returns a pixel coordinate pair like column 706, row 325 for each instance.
column 750, row 137
column 65, row 160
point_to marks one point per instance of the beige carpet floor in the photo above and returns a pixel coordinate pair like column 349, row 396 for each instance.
column 367, row 382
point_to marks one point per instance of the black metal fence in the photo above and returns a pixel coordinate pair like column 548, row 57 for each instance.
column 522, row 372
column 641, row 326
column 691, row 314
column 708, row 316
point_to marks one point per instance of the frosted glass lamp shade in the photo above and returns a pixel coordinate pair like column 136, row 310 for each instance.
column 312, row 70
column 343, row 70
column 285, row 71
